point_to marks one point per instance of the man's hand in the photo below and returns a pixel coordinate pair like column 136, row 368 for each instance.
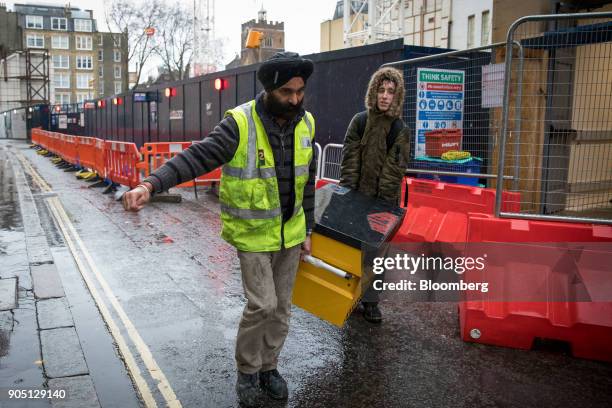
column 135, row 199
column 305, row 247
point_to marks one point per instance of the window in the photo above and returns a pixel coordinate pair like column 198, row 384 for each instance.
column 101, row 40
column 117, row 41
column 59, row 42
column 83, row 42
column 62, row 98
column 117, row 56
column 84, row 62
column 59, row 23
column 117, row 72
column 61, row 61
column 267, row 42
column 34, row 22
column 61, row 80
column 82, row 25
column 82, row 97
column 471, row 40
column 485, row 28
column 100, row 71
column 100, row 55
column 35, row 41
column 118, row 87
column 83, row 81
column 100, row 87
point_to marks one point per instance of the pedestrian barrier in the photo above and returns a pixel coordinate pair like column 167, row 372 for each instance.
column 331, row 161
column 37, row 137
column 318, row 157
column 100, row 158
column 438, row 212
column 121, row 160
column 117, row 162
column 54, row 142
column 69, row 149
column 86, row 149
column 156, row 154
column 585, row 325
column 455, row 197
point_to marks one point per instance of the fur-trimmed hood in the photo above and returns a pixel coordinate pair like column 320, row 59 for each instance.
column 390, row 74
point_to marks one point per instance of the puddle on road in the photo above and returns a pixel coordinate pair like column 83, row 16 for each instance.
column 9, row 214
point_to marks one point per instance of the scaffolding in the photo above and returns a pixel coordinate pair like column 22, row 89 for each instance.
column 24, row 79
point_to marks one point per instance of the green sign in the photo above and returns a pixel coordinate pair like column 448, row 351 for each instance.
column 437, row 76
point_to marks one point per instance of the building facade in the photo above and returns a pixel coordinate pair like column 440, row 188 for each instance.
column 471, row 24
column 419, row 22
column 10, row 32
column 84, row 63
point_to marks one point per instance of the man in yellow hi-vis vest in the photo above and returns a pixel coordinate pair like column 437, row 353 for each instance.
column 267, row 208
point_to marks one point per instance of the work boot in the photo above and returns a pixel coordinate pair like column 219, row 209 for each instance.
column 247, row 389
column 371, row 312
column 273, row 384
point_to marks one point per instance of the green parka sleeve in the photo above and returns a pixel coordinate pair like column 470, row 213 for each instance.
column 394, row 168
column 351, row 156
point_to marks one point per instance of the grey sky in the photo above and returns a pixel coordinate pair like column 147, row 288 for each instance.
column 302, row 20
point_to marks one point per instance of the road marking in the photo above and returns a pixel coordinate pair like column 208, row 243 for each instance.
column 154, row 370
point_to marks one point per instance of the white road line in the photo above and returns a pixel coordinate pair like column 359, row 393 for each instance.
column 154, row 370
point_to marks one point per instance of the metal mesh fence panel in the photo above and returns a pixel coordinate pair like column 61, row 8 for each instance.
column 557, row 141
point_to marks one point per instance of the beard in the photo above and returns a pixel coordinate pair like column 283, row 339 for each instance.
column 283, row 110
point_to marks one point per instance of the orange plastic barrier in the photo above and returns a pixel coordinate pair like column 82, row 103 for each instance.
column 86, row 149
column 156, row 154
column 70, row 149
column 58, row 144
column 121, row 163
column 100, row 157
column 37, row 137
column 53, row 142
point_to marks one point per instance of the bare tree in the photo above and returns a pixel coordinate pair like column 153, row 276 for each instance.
column 174, row 43
column 132, row 18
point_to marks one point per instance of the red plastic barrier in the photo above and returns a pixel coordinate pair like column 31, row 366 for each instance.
column 457, row 197
column 438, row 212
column 121, row 163
column 586, row 326
column 86, row 149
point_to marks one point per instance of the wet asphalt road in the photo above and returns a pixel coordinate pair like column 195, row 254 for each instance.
column 179, row 284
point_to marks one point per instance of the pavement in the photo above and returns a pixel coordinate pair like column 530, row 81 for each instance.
column 141, row 309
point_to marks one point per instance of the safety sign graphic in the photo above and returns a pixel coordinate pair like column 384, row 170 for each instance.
column 439, row 102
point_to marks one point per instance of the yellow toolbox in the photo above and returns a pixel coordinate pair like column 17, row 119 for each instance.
column 351, row 229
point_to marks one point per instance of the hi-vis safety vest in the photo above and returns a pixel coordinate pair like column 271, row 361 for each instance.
column 250, row 202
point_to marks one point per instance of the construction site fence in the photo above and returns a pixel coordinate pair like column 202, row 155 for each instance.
column 532, row 111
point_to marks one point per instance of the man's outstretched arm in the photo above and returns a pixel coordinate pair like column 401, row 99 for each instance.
column 200, row 158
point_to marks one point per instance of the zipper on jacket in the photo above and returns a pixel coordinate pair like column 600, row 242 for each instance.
column 282, row 140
